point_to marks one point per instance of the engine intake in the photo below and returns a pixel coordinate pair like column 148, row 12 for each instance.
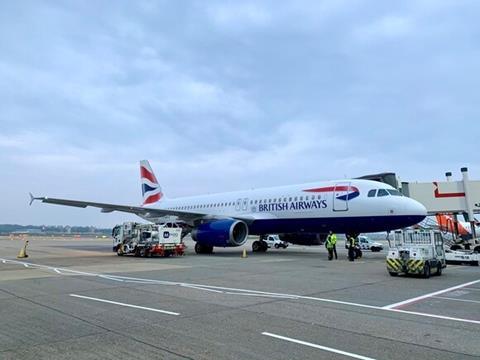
column 222, row 233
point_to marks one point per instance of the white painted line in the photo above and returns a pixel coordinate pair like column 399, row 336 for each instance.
column 340, row 302
column 434, row 316
column 264, row 295
column 426, row 296
column 316, row 346
column 108, row 277
column 201, row 288
column 246, row 292
column 456, row 299
column 123, row 304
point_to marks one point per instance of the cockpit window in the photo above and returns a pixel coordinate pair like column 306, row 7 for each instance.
column 382, row 192
column 372, row 193
column 395, row 192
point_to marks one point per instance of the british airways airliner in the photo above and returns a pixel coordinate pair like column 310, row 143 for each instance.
column 301, row 214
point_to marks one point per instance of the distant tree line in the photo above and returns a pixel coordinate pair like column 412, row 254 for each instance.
column 52, row 229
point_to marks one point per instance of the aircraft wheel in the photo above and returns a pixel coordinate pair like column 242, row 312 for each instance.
column 256, row 246
column 264, row 246
column 203, row 249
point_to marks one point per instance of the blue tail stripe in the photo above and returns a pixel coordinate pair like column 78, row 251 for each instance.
column 146, row 188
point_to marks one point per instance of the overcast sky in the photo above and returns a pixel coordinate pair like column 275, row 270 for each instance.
column 223, row 96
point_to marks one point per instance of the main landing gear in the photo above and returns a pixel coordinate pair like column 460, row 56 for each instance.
column 259, row 246
column 203, row 249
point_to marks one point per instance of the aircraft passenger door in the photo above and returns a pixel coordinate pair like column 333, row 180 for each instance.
column 340, row 196
column 245, row 204
column 238, row 204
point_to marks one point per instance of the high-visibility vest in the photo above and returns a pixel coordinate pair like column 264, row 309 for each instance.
column 333, row 239
column 329, row 244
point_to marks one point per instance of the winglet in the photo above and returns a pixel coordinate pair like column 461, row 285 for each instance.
column 33, row 198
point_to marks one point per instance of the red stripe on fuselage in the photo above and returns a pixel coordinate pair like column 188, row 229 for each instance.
column 333, row 188
column 144, row 173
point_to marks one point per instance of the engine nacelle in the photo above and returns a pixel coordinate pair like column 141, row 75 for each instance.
column 304, row 238
column 222, row 233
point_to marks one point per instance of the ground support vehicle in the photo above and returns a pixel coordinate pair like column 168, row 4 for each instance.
column 268, row 241
column 145, row 240
column 462, row 257
column 366, row 243
column 468, row 245
column 274, row 241
column 416, row 252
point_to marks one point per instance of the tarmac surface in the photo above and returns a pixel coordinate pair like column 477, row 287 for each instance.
column 74, row 298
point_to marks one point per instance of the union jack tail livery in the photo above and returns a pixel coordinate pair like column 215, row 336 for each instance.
column 151, row 190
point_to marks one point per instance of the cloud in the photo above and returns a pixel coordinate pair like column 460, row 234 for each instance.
column 239, row 15
column 389, row 27
column 225, row 96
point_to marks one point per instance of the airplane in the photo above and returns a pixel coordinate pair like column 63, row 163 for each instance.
column 301, row 214
column 446, row 223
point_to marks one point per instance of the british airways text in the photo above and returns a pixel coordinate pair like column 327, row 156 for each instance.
column 297, row 205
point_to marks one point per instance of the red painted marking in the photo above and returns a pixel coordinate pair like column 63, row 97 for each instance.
column 332, row 188
column 446, row 195
column 152, row 198
column 144, row 173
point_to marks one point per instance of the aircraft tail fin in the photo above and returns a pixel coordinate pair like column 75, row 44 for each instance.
column 447, row 223
column 151, row 189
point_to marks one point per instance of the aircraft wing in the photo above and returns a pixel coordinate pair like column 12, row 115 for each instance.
column 106, row 208
column 186, row 216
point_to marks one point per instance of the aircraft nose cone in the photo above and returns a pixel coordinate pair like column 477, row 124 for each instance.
column 418, row 208
column 415, row 210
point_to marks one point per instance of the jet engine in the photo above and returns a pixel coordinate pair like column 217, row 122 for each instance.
column 221, row 233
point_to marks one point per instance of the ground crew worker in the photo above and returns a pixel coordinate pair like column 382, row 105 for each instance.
column 351, row 247
column 333, row 241
column 329, row 246
column 358, row 250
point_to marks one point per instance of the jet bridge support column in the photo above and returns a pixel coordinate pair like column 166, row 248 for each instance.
column 468, row 201
column 448, row 176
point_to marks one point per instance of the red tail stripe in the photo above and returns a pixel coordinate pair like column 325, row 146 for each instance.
column 144, row 173
column 153, row 198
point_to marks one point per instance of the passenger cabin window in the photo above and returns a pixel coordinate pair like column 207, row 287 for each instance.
column 372, row 193
column 382, row 192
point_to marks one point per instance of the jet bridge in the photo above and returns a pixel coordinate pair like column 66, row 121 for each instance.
column 452, row 197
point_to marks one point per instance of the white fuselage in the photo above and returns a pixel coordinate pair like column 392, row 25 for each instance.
column 341, row 206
